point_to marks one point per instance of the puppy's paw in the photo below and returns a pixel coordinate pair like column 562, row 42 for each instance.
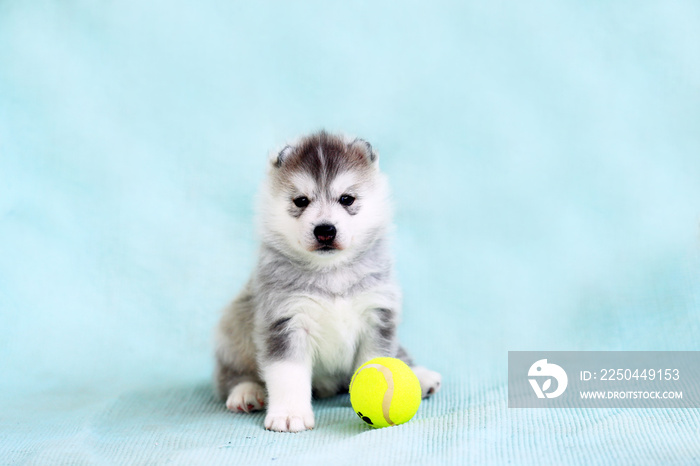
column 430, row 381
column 289, row 420
column 246, row 397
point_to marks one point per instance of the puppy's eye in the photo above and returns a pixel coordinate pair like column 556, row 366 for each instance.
column 301, row 201
column 346, row 200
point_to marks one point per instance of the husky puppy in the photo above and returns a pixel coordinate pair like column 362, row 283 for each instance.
column 323, row 298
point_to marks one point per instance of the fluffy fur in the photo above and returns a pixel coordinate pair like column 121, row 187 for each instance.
column 323, row 298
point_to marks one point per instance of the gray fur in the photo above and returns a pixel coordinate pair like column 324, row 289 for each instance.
column 366, row 147
column 278, row 339
column 286, row 151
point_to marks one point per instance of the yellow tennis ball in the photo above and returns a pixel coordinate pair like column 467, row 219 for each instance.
column 385, row 392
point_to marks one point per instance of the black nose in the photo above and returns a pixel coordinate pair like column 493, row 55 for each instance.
column 325, row 233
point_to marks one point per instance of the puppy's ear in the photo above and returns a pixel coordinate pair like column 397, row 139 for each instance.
column 282, row 156
column 365, row 148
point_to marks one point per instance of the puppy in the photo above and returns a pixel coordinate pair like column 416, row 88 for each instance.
column 323, row 298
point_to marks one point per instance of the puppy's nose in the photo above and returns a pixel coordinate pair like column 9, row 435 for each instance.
column 325, row 233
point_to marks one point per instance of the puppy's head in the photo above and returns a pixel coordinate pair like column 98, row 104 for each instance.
column 325, row 200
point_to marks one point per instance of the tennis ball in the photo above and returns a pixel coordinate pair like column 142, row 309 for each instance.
column 385, row 392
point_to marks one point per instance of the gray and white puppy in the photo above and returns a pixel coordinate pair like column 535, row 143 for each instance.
column 323, row 298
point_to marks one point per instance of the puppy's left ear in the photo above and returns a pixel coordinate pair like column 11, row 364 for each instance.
column 365, row 148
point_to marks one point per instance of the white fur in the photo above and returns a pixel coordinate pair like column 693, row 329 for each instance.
column 430, row 381
column 289, row 390
column 297, row 233
column 246, row 397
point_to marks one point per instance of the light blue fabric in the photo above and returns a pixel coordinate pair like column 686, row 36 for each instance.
column 545, row 163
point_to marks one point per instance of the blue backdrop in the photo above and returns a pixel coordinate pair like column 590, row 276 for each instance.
column 545, row 164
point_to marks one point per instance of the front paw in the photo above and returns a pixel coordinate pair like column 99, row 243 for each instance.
column 289, row 420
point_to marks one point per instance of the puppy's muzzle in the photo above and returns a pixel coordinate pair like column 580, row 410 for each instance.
column 325, row 234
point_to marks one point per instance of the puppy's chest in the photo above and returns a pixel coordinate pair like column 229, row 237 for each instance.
column 335, row 328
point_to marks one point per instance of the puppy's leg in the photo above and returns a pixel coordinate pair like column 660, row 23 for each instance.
column 286, row 370
column 430, row 381
column 235, row 377
column 289, row 390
